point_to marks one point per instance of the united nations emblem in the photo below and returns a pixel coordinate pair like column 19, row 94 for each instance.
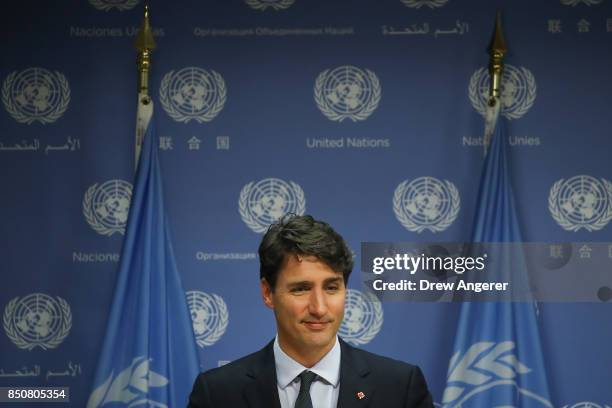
column 586, row 405
column 37, row 320
column 347, row 92
column 209, row 316
column 581, row 202
column 273, row 4
column 492, row 369
column 107, row 5
column 426, row 203
column 420, row 3
column 574, row 3
column 363, row 317
column 132, row 386
column 266, row 201
column 35, row 94
column 106, row 206
column 518, row 91
column 192, row 93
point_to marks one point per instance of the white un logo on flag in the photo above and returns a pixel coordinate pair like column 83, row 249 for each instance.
column 491, row 369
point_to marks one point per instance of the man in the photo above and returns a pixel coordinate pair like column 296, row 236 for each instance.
column 304, row 269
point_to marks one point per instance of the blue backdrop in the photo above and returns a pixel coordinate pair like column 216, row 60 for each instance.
column 364, row 114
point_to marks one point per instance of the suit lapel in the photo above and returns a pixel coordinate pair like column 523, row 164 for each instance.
column 262, row 392
column 354, row 389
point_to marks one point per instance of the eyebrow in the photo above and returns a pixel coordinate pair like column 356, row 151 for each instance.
column 333, row 280
column 309, row 283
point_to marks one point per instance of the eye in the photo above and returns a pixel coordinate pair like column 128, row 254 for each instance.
column 333, row 288
column 298, row 289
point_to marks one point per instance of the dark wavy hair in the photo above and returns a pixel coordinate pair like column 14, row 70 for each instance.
column 302, row 235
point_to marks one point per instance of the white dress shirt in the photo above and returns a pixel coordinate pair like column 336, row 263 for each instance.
column 324, row 390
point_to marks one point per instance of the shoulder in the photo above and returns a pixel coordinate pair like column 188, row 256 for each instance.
column 377, row 362
column 386, row 373
column 223, row 386
column 235, row 369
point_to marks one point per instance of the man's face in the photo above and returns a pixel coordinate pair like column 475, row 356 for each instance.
column 308, row 303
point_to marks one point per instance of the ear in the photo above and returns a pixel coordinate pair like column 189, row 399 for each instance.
column 266, row 293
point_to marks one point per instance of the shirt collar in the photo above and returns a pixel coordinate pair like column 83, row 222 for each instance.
column 287, row 368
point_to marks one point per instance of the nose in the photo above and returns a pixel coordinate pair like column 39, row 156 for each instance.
column 317, row 307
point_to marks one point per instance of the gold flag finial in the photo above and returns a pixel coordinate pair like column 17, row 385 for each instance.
column 145, row 44
column 497, row 50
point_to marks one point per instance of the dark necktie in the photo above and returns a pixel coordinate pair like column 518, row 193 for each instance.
column 303, row 399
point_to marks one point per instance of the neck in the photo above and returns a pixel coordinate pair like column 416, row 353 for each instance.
column 306, row 358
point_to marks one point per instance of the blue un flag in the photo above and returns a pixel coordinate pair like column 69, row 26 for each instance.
column 149, row 356
column 497, row 358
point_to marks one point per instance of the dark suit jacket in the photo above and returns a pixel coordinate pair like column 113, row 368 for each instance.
column 251, row 382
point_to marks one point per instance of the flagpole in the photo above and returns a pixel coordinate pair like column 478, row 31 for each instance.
column 145, row 44
column 498, row 356
column 149, row 354
column 497, row 50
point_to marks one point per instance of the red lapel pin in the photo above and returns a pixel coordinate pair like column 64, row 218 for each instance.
column 360, row 395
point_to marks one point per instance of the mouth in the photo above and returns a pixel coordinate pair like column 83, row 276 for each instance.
column 316, row 325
